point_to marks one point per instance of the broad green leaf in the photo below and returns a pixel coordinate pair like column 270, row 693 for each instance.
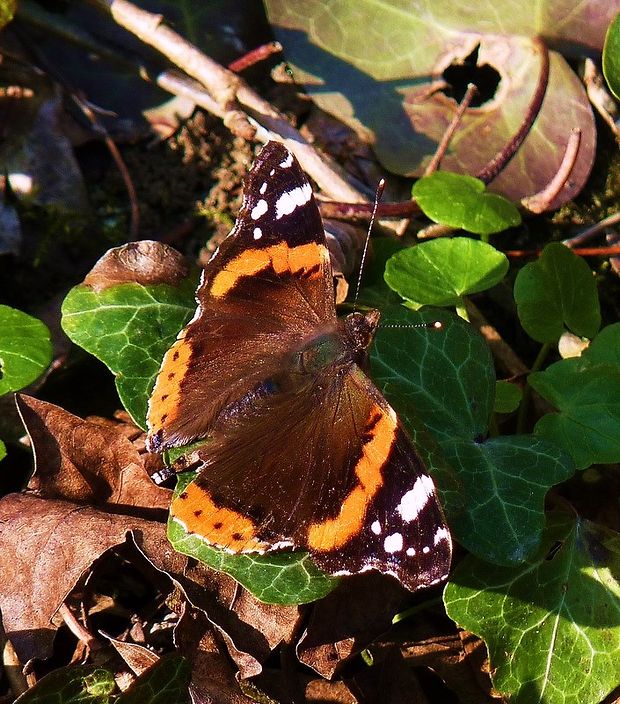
column 442, row 271
column 605, row 347
column 611, row 57
column 463, row 201
column 552, row 624
column 555, row 293
column 25, row 349
column 81, row 684
column 587, row 397
column 444, row 376
column 129, row 327
column 503, row 482
column 166, row 682
column 507, row 397
column 280, row 578
column 375, row 64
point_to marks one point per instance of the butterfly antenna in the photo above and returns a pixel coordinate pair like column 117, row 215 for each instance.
column 378, row 195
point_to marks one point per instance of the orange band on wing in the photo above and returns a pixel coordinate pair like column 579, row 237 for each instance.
column 333, row 533
column 197, row 512
column 166, row 396
column 280, row 258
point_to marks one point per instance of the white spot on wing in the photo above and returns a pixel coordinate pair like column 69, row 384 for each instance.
column 416, row 499
column 441, row 534
column 259, row 209
column 258, row 233
column 263, row 188
column 288, row 162
column 272, row 172
column 410, row 552
column 376, row 527
column 426, row 549
column 393, row 543
column 290, row 200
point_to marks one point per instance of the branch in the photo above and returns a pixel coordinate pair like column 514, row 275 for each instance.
column 230, row 97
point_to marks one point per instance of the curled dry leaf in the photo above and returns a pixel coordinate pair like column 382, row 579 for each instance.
column 213, row 678
column 47, row 545
column 77, row 460
column 146, row 262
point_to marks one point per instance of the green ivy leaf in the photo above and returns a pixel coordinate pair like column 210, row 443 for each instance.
column 494, row 497
column 611, row 57
column 557, row 292
column 81, row 684
column 504, row 481
column 129, row 327
column 587, row 397
column 25, row 349
column 605, row 347
column 441, row 272
column 279, row 578
column 165, row 682
column 551, row 625
column 507, row 397
column 463, row 201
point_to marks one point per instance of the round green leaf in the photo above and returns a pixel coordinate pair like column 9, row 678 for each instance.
column 442, row 271
column 25, row 349
column 129, row 327
column 611, row 57
column 278, row 578
column 463, row 201
column 552, row 624
column 605, row 347
column 507, row 397
column 556, row 292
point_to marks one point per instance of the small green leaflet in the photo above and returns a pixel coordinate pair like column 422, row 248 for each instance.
column 81, row 684
column 611, row 57
column 463, row 201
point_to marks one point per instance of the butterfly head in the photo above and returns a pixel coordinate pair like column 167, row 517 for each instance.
column 359, row 330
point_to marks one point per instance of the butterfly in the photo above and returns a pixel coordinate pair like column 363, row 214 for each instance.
column 303, row 451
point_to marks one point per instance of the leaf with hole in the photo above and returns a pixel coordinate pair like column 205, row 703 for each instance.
column 463, row 202
column 443, row 271
column 552, row 624
column 611, row 57
column 555, row 293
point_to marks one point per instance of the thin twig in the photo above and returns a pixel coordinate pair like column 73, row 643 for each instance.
column 593, row 230
column 255, row 56
column 611, row 251
column 501, row 159
column 539, row 202
column 134, row 221
column 240, row 105
column 449, row 133
column 78, row 630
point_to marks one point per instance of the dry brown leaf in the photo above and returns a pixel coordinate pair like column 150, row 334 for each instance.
column 137, row 657
column 86, row 462
column 146, row 262
column 213, row 678
column 349, row 618
column 47, row 546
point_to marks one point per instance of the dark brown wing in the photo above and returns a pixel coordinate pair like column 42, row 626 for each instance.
column 327, row 468
column 268, row 287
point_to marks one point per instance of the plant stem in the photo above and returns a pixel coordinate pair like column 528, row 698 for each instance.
column 527, row 390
